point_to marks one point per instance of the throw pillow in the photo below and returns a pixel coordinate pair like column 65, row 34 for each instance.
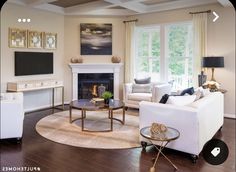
column 181, row 100
column 189, row 91
column 164, row 99
column 204, row 92
column 198, row 94
column 141, row 88
column 143, row 81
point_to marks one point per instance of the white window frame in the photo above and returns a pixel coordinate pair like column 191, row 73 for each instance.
column 163, row 45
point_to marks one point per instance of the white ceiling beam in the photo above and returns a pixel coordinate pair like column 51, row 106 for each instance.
column 51, row 8
column 104, row 12
column 178, row 4
column 225, row 3
column 37, row 2
column 91, row 6
column 133, row 5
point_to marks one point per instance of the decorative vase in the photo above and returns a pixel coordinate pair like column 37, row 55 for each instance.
column 76, row 60
column 101, row 90
column 115, row 59
column 73, row 60
column 201, row 79
column 106, row 101
column 80, row 60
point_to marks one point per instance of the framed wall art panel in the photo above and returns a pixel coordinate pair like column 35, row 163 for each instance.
column 50, row 40
column 17, row 38
column 34, row 39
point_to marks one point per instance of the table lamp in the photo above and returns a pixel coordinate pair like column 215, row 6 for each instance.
column 212, row 62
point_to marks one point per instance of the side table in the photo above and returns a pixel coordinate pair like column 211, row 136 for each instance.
column 164, row 138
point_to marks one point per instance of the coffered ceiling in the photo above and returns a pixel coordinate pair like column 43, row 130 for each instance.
column 113, row 7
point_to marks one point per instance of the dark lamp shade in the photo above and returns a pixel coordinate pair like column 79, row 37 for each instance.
column 213, row 62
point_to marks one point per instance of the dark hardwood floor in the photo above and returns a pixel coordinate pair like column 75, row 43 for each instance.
column 36, row 151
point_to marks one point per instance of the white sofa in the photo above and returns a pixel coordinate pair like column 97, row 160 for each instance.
column 133, row 99
column 197, row 122
column 12, row 115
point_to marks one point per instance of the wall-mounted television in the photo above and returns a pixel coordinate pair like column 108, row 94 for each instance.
column 33, row 63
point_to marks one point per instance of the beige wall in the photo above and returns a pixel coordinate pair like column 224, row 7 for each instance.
column 40, row 21
column 221, row 41
column 72, row 45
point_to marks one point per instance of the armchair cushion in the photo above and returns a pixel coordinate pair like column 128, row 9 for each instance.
column 140, row 96
column 141, row 88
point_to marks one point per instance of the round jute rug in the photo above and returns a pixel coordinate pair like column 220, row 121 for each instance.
column 56, row 127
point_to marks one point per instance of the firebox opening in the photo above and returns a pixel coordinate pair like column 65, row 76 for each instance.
column 90, row 84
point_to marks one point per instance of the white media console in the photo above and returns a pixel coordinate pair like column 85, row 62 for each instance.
column 23, row 86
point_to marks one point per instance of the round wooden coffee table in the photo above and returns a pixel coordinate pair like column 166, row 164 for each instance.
column 86, row 105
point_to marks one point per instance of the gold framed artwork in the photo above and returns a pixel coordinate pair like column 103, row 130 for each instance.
column 50, row 40
column 17, row 38
column 34, row 39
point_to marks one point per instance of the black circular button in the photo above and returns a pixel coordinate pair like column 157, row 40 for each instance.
column 215, row 152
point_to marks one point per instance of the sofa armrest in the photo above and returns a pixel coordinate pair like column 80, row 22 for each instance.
column 182, row 118
column 159, row 90
column 127, row 89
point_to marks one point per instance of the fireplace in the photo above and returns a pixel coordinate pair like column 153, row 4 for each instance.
column 89, row 83
column 93, row 68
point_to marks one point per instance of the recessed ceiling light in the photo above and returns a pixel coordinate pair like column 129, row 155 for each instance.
column 19, row 20
column 24, row 20
column 28, row 20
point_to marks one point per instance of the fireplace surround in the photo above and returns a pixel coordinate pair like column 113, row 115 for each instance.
column 92, row 68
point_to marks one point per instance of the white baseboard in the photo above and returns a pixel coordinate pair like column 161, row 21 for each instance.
column 42, row 107
column 227, row 115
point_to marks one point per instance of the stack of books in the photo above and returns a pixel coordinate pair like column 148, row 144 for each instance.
column 97, row 100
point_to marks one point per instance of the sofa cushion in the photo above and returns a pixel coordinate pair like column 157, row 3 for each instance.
column 142, row 88
column 143, row 81
column 140, row 96
column 181, row 100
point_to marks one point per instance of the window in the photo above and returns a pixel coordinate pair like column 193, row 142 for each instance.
column 179, row 55
column 165, row 52
column 148, row 53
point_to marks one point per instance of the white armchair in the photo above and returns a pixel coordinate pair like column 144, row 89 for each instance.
column 12, row 115
column 132, row 99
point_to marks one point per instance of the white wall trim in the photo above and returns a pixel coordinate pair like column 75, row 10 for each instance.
column 227, row 115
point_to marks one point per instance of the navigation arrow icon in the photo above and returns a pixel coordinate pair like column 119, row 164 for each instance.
column 216, row 16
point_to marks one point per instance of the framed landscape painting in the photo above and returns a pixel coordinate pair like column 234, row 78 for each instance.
column 96, row 39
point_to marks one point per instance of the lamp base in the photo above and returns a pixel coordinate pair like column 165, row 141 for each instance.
column 212, row 74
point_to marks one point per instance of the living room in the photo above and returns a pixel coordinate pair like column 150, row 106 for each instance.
column 159, row 19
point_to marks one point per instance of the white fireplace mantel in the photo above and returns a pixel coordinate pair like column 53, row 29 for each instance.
column 95, row 68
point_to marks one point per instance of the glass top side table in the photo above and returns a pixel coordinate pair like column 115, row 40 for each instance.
column 164, row 138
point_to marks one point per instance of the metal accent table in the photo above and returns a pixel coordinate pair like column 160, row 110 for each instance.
column 86, row 105
column 164, row 137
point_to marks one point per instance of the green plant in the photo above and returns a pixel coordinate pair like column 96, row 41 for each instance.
column 107, row 95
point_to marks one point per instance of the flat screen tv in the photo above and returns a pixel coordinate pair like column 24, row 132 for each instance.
column 33, row 63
